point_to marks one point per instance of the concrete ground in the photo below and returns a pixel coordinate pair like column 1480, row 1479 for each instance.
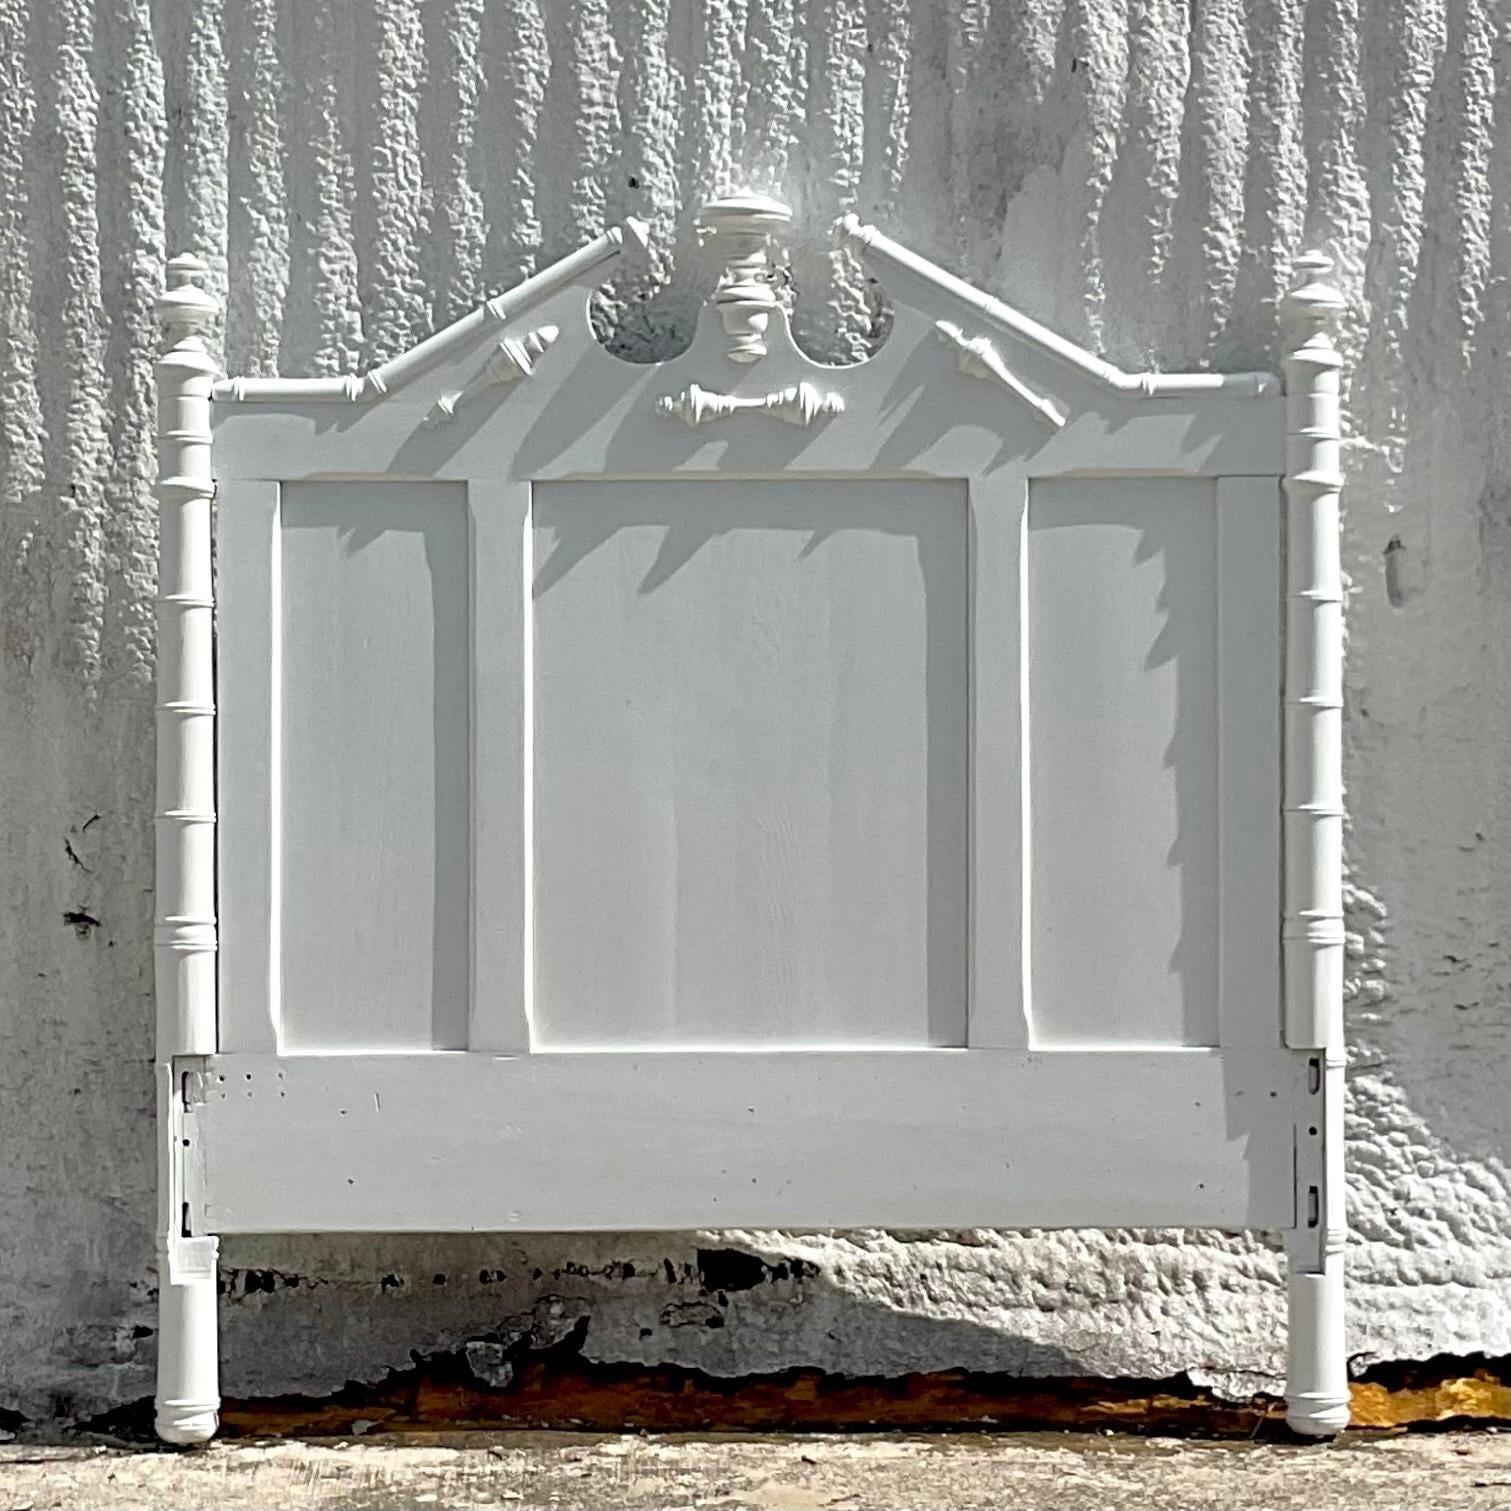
column 563, row 1471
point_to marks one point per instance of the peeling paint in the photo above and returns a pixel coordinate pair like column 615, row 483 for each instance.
column 497, row 1385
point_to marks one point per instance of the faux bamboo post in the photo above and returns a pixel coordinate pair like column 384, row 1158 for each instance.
column 1317, row 1379
column 188, row 1400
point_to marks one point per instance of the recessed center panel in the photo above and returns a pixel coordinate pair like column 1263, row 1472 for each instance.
column 749, row 704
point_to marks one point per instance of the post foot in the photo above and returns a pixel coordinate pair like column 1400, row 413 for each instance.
column 188, row 1352
column 1316, row 1386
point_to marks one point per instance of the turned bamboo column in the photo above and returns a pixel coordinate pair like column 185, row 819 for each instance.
column 188, row 1400
column 1317, row 1379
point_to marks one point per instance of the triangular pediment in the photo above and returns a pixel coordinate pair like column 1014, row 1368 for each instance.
column 746, row 324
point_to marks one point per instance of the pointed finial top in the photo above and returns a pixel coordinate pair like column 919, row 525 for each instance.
column 739, row 228
column 186, row 268
column 1313, row 301
column 743, row 214
column 185, row 308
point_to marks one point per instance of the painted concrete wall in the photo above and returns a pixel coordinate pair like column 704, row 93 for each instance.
column 1138, row 173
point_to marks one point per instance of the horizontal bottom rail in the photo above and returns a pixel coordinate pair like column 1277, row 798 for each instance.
column 458, row 1142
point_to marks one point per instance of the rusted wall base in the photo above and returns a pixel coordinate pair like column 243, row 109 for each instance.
column 556, row 1391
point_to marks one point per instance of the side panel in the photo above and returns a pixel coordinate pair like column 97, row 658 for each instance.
column 1152, row 625
column 1121, row 618
column 373, row 771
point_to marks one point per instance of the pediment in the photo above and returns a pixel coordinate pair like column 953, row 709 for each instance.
column 743, row 359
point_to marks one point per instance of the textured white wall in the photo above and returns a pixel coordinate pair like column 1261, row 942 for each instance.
column 1138, row 173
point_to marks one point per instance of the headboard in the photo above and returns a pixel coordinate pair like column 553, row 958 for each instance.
column 742, row 792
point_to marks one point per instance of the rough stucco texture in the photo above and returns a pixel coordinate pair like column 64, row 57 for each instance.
column 1137, row 172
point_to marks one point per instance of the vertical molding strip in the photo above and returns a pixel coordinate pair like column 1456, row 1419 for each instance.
column 188, row 1400
column 998, row 856
column 1317, row 1393
column 501, row 762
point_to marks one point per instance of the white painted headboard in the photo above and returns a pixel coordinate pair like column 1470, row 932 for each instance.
column 742, row 792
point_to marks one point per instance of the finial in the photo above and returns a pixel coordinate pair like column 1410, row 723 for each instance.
column 184, row 308
column 1313, row 303
column 739, row 227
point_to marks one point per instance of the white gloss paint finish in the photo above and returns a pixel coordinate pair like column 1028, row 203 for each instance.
column 187, row 1406
column 1317, row 1395
column 758, row 792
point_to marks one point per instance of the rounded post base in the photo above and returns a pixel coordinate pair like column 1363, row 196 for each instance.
column 186, row 1423
column 1316, row 1384
column 188, row 1351
column 1315, row 1417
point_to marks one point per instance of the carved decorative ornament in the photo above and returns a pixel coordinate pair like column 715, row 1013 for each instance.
column 739, row 231
column 799, row 404
column 514, row 358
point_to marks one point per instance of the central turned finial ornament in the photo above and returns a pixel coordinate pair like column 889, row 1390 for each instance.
column 739, row 228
